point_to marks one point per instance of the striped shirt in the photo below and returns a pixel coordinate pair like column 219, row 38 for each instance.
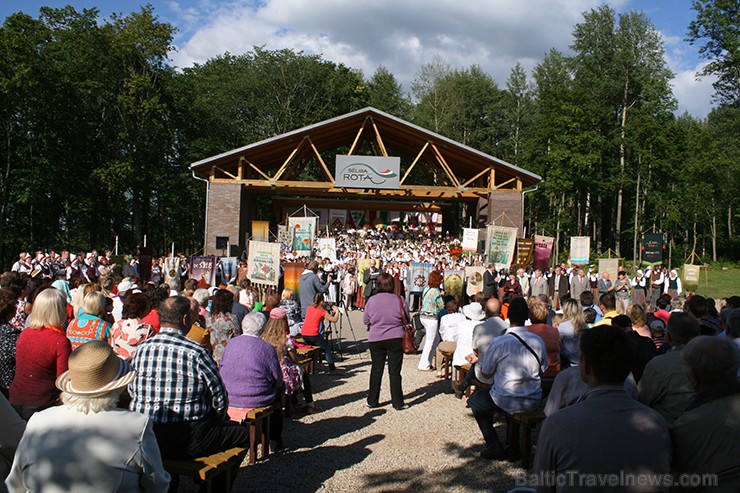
column 177, row 379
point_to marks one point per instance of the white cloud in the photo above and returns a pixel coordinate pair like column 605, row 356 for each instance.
column 693, row 95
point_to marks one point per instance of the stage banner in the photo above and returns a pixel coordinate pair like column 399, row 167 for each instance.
column 580, row 249
column 337, row 218
column 327, row 248
column 304, row 231
column 363, row 264
column 690, row 276
column 470, row 240
column 453, row 282
column 263, row 263
column 323, row 217
column 145, row 255
column 652, row 248
column 203, row 269
column 395, row 217
column 524, row 251
column 474, row 278
column 285, row 237
column 291, row 276
column 610, row 265
column 542, row 252
column 261, row 230
column 228, row 269
column 501, row 244
column 358, row 218
column 172, row 272
column 419, row 273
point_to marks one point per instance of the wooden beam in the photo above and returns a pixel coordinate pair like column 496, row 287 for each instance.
column 321, row 161
column 243, row 160
column 501, row 185
column 475, row 177
column 519, row 184
column 445, row 167
column 226, row 172
column 380, row 139
column 418, row 156
column 492, row 179
column 357, row 137
column 287, row 161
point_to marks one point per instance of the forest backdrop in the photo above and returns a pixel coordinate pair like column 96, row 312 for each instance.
column 98, row 129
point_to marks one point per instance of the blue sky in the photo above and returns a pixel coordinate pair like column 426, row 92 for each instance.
column 402, row 35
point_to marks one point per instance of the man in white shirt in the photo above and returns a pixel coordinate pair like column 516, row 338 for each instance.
column 515, row 360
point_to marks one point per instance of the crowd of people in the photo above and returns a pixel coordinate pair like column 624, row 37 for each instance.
column 84, row 350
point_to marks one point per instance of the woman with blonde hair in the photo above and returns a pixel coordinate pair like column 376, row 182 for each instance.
column 292, row 311
column 639, row 320
column 91, row 324
column 41, row 355
column 570, row 328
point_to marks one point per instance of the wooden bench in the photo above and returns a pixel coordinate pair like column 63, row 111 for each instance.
column 258, row 422
column 313, row 354
column 519, row 432
column 205, row 469
column 461, row 371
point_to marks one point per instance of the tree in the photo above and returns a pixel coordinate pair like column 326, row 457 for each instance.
column 384, row 93
column 718, row 24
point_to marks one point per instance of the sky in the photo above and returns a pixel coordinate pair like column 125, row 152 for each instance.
column 403, row 35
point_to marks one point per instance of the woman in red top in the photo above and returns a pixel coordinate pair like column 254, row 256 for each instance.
column 311, row 331
column 41, row 355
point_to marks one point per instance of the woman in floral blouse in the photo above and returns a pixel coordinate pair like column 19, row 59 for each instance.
column 221, row 323
column 131, row 331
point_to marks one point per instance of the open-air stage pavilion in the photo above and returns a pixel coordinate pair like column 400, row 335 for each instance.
column 433, row 174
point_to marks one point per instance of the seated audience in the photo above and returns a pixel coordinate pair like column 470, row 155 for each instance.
column 538, row 317
column 91, row 324
column 221, row 322
column 574, row 438
column 448, row 327
column 665, row 385
column 639, row 320
column 311, row 328
column 293, row 311
column 11, row 431
column 8, row 339
column 474, row 315
column 706, row 438
column 608, row 305
column 643, row 348
column 198, row 331
column 130, row 331
column 88, row 444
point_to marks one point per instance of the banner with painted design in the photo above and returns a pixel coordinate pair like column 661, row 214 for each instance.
column 203, row 268
column 418, row 275
column 228, row 269
column 524, row 251
column 261, row 230
column 172, row 272
column 470, row 240
column 474, row 279
column 580, row 249
column 327, row 248
column 363, row 264
column 358, row 218
column 610, row 265
column 304, row 231
column 337, row 218
column 652, row 248
column 542, row 251
column 501, row 242
column 453, row 282
column 285, row 237
column 263, row 263
column 292, row 275
column 690, row 276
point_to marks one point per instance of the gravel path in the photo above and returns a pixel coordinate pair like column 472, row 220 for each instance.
column 432, row 446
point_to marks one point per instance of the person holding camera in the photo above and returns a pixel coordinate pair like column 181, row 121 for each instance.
column 311, row 332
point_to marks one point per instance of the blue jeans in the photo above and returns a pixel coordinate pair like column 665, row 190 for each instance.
column 483, row 410
column 324, row 345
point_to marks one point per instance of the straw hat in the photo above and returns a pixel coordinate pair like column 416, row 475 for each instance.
column 474, row 311
column 94, row 369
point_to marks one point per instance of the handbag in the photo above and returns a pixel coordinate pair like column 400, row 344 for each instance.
column 409, row 341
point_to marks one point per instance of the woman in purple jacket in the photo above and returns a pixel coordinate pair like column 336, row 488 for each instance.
column 383, row 316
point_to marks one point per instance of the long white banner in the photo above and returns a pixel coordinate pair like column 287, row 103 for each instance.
column 501, row 244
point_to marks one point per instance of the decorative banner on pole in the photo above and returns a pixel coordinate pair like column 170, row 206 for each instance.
column 453, row 282
column 542, row 251
column 610, row 265
column 691, row 277
column 474, row 277
column 263, row 263
column 501, row 244
column 524, row 251
column 304, row 232
column 357, row 218
column 145, row 254
column 363, row 264
column 172, row 272
column 261, row 230
column 228, row 269
column 292, row 275
column 580, row 249
column 203, row 269
column 418, row 274
column 337, row 218
column 285, row 237
column 470, row 240
column 652, row 248
column 327, row 248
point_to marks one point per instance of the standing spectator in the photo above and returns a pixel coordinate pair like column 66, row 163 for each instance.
column 309, row 285
column 41, row 355
column 384, row 314
column 431, row 304
column 558, row 287
column 221, row 323
column 538, row 284
column 579, row 284
column 8, row 339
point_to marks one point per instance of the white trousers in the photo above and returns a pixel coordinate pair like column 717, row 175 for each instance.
column 431, row 339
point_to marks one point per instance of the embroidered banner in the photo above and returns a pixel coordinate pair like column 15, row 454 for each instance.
column 453, row 282
column 542, row 252
column 470, row 240
column 419, row 273
column 203, row 269
column 358, row 218
column 172, row 272
column 327, row 248
column 652, row 248
column 501, row 244
column 228, row 269
column 285, row 237
column 580, row 249
column 304, row 232
column 337, row 218
column 691, row 277
column 524, row 251
column 610, row 265
column 291, row 276
column 474, row 278
column 263, row 263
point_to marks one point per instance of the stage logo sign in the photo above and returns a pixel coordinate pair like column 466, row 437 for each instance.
column 368, row 172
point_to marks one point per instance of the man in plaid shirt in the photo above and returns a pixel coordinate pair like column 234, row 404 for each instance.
column 179, row 387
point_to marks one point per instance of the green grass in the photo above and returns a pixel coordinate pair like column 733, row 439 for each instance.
column 723, row 282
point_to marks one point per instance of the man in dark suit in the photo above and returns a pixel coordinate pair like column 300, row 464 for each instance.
column 489, row 281
column 558, row 287
column 369, row 277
